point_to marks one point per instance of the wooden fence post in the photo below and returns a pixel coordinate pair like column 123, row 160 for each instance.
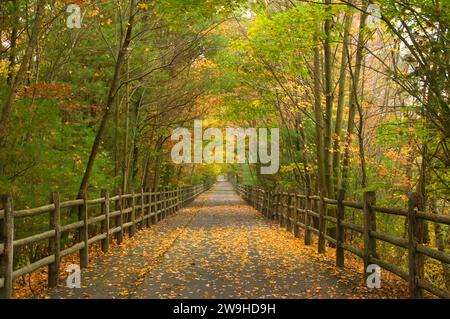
column 132, row 229
column 162, row 194
column 142, row 213
column 322, row 226
column 254, row 204
column 173, row 198
column 54, row 243
column 161, row 204
column 415, row 236
column 273, row 214
column 281, row 209
column 340, row 215
column 158, row 204
column 261, row 200
column 267, row 204
column 141, row 209
column 274, row 205
column 257, row 194
column 153, row 206
column 163, row 208
column 296, row 214
column 7, row 236
column 259, row 197
column 172, row 201
column 105, row 224
column 307, row 218
column 288, row 213
column 369, row 225
column 119, row 220
column 181, row 197
column 169, row 202
column 84, row 232
column 149, row 209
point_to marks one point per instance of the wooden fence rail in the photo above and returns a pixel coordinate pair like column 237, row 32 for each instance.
column 298, row 211
column 117, row 214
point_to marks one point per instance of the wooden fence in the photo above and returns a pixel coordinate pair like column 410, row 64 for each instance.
column 297, row 211
column 129, row 212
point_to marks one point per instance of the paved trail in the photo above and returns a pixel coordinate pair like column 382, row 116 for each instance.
column 219, row 247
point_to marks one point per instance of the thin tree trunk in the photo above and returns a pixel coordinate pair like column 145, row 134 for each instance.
column 126, row 157
column 353, row 97
column 362, row 155
column 328, row 119
column 319, row 123
column 116, row 140
column 135, row 155
column 158, row 160
column 110, row 100
column 341, row 100
column 145, row 173
column 13, row 44
column 157, row 168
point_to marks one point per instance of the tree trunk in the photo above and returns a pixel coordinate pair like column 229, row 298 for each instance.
column 353, row 96
column 319, row 123
column 328, row 156
column 126, row 157
column 110, row 100
column 341, row 99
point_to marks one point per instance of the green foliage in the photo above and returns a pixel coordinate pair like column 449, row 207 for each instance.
column 46, row 153
column 182, row 13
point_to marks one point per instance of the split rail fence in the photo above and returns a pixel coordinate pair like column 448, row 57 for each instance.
column 111, row 216
column 297, row 211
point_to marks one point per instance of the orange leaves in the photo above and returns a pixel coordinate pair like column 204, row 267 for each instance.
column 203, row 63
column 45, row 90
column 382, row 171
column 221, row 248
column 93, row 12
column 106, row 22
